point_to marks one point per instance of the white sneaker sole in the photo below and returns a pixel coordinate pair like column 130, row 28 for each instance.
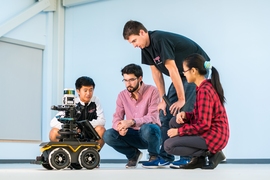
column 156, row 167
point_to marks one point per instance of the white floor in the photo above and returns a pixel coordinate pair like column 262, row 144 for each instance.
column 119, row 172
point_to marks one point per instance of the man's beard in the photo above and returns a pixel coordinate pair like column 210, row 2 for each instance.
column 133, row 89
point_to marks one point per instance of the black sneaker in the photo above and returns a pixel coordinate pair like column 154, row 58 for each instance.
column 132, row 163
column 214, row 160
column 195, row 162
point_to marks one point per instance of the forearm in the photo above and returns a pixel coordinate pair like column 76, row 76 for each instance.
column 100, row 116
column 176, row 79
column 116, row 120
column 98, row 122
column 194, row 129
column 159, row 80
column 177, row 82
column 189, row 116
column 55, row 123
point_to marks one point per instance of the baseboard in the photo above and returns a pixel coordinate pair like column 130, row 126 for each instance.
column 228, row 161
column 247, row 161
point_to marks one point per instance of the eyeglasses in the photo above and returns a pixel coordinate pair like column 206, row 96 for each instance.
column 186, row 71
column 129, row 80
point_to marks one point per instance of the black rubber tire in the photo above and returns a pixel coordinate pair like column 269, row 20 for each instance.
column 89, row 158
column 76, row 166
column 47, row 166
column 59, row 158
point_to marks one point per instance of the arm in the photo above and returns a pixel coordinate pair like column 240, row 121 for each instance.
column 54, row 122
column 202, row 117
column 159, row 81
column 118, row 123
column 100, row 121
column 119, row 114
column 181, row 118
column 178, row 84
column 147, row 112
column 190, row 116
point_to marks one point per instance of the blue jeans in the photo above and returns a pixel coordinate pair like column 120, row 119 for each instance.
column 190, row 96
column 148, row 137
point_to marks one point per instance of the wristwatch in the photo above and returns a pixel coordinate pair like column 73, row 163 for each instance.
column 134, row 123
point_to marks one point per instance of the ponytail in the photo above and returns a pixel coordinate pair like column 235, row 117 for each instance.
column 197, row 61
column 215, row 81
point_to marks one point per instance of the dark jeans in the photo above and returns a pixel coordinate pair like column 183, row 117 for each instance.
column 190, row 96
column 148, row 137
column 185, row 145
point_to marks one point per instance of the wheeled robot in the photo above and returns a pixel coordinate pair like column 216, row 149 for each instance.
column 77, row 147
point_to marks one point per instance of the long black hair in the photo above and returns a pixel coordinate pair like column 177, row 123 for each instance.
column 197, row 61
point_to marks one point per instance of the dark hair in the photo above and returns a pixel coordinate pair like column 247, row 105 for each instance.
column 197, row 61
column 132, row 28
column 84, row 81
column 132, row 69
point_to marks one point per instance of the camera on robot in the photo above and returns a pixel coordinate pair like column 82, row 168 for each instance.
column 72, row 112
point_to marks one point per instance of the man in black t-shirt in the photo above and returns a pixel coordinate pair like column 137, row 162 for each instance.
column 164, row 52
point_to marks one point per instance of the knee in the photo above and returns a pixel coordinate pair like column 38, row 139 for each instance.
column 100, row 130
column 173, row 123
column 109, row 135
column 165, row 119
column 53, row 135
column 150, row 130
column 167, row 147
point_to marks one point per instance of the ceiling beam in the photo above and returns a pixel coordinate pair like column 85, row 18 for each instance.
column 69, row 3
column 23, row 16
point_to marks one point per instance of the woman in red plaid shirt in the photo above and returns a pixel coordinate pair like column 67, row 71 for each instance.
column 205, row 131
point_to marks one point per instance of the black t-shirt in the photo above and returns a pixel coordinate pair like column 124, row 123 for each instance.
column 167, row 45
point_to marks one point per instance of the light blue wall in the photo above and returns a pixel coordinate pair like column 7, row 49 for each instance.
column 235, row 34
column 38, row 30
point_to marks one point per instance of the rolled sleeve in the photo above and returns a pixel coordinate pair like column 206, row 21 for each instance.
column 100, row 121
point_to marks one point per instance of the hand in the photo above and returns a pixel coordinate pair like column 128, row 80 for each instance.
column 172, row 132
column 175, row 107
column 78, row 130
column 122, row 127
column 180, row 117
column 162, row 106
column 123, row 132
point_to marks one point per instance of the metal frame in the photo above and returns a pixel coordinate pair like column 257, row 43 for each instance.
column 24, row 16
column 69, row 3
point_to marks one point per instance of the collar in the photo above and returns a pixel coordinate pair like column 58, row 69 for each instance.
column 84, row 104
column 202, row 83
column 140, row 92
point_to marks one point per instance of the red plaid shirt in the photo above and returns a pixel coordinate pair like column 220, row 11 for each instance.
column 208, row 119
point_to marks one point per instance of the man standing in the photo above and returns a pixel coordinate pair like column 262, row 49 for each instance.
column 135, row 124
column 164, row 52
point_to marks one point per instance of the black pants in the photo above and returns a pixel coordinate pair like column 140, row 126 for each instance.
column 184, row 145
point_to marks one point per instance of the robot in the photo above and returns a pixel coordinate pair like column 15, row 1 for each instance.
column 77, row 147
